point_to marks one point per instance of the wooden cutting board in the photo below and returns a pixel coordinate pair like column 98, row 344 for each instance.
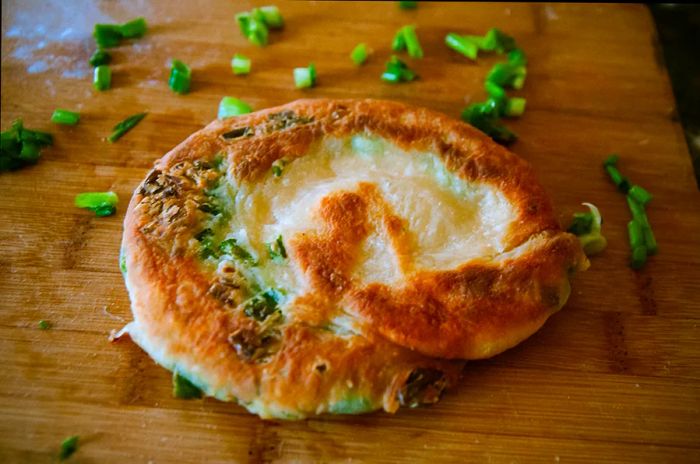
column 613, row 377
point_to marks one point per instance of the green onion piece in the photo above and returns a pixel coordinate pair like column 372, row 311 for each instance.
column 640, row 216
column 463, row 45
column 271, row 16
column 517, row 57
column 507, row 75
column 21, row 147
column 399, row 42
column 498, row 95
column 99, row 57
column 640, row 195
column 649, row 239
column 411, row 40
column 101, row 203
column 133, row 29
column 611, row 160
column 587, row 226
column 253, row 28
column 107, row 35
column 634, row 231
column 359, row 54
column 620, row 181
column 180, row 77
column 230, row 106
column 262, row 305
column 277, row 167
column 276, row 250
column 515, row 107
column 125, row 126
column 66, row 117
column 484, row 116
column 397, row 71
column 102, row 77
column 408, row 5
column 184, row 389
column 68, row 447
column 44, row 324
column 232, row 248
column 305, row 77
column 240, row 64
column 496, row 40
column 639, row 257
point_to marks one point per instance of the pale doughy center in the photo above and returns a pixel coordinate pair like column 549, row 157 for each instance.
column 449, row 221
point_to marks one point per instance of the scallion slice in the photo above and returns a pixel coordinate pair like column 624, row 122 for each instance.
column 406, row 39
column 21, row 147
column 634, row 231
column 408, row 5
column 69, row 118
column 253, row 28
column 620, row 181
column 107, row 35
column 231, row 106
column 125, row 126
column 184, row 389
column 639, row 257
column 398, row 71
column 102, row 77
column 305, row 77
column 517, row 57
column 496, row 40
column 68, row 447
column 640, row 195
column 463, row 45
column 101, row 203
column 272, row 16
column 640, row 216
column 587, row 227
column 240, row 64
column 133, row 29
column 515, row 107
column 44, row 324
column 507, row 75
column 180, row 77
column 359, row 54
column 99, row 57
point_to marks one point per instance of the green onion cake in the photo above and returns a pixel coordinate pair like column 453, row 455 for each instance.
column 339, row 256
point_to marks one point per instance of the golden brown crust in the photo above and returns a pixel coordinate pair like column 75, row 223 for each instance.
column 474, row 311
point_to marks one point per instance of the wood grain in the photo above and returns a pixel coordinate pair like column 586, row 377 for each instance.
column 614, row 377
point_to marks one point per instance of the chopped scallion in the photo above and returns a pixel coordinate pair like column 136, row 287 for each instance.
column 44, row 324
column 68, row 447
column 180, row 77
column 634, row 231
column 587, row 227
column 69, row 118
column 398, row 71
column 620, row 181
column 515, row 107
column 640, row 195
column 359, row 54
column 639, row 257
column 99, row 57
column 276, row 250
column 110, row 35
column 507, row 75
column 408, row 5
column 184, row 389
column 496, row 40
column 305, row 77
column 517, row 57
column 231, row 106
column 463, row 45
column 21, row 147
column 253, row 28
column 101, row 203
column 102, row 77
column 271, row 16
column 125, row 126
column 133, row 29
column 240, row 64
column 406, row 39
column 277, row 167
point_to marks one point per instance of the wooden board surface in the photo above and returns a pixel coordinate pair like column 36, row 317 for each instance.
column 614, row 377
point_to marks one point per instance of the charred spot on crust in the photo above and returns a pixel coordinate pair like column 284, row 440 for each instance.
column 238, row 133
column 423, row 386
column 284, row 120
column 161, row 185
column 321, row 368
column 255, row 344
column 262, row 305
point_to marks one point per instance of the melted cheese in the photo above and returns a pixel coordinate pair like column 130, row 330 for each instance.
column 449, row 221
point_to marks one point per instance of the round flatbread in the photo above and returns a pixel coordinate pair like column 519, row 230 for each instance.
column 323, row 256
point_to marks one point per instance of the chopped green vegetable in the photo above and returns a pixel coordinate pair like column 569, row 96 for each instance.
column 406, row 39
column 232, row 248
column 636, row 237
column 206, row 240
column 44, row 324
column 277, row 167
column 101, row 203
column 305, row 77
column 66, row 117
column 253, row 28
column 408, row 5
column 359, row 54
column 99, row 57
column 271, row 16
column 464, row 45
column 110, row 35
column 640, row 216
column 484, row 116
column 262, row 305
column 398, row 71
column 20, row 147
column 587, row 226
column 517, row 57
column 125, row 126
column 240, row 64
column 639, row 257
column 230, row 106
column 496, row 40
column 184, row 389
column 515, row 107
column 102, row 77
column 68, row 447
column 507, row 75
column 640, row 195
column 133, row 29
column 276, row 250
column 180, row 77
